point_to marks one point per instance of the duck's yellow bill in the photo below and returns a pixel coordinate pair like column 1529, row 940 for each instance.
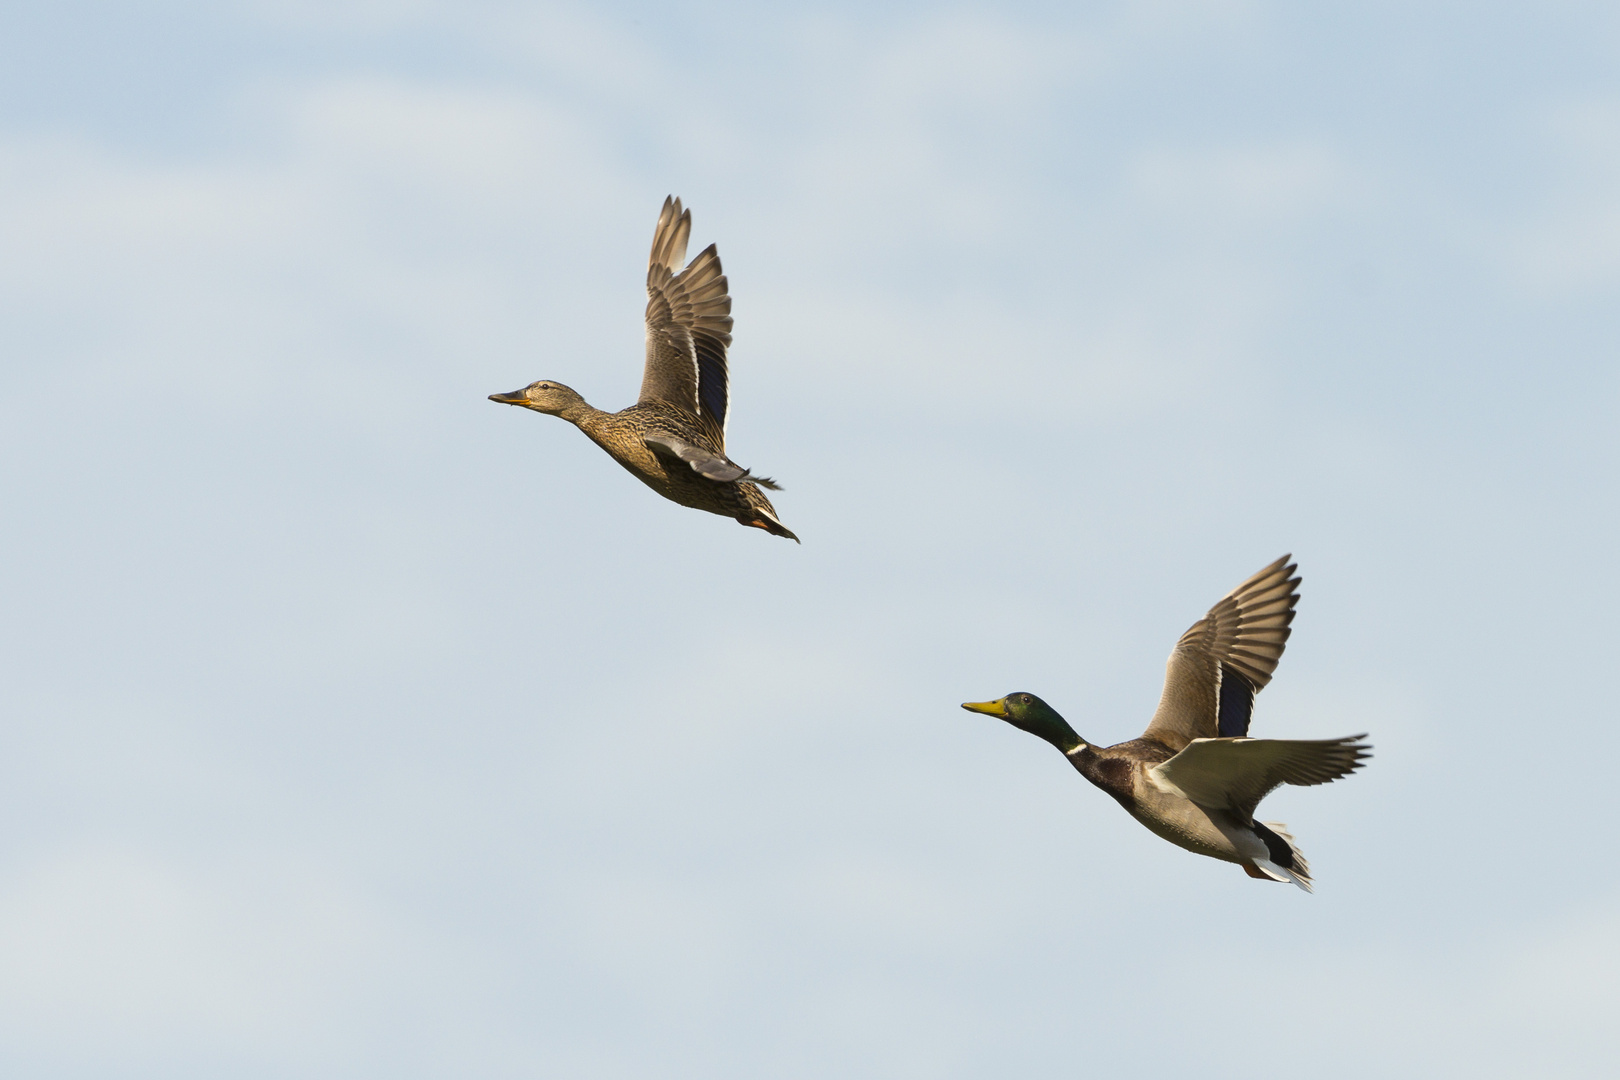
column 997, row 707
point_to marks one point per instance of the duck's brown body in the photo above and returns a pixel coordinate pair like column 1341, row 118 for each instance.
column 674, row 438
column 623, row 435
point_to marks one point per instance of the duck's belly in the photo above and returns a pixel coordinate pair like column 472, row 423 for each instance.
column 1187, row 825
column 681, row 485
column 689, row 489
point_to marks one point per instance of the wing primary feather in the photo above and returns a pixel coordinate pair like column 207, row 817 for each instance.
column 1236, row 773
column 688, row 325
column 1225, row 658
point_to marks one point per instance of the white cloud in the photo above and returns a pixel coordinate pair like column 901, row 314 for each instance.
column 1572, row 243
column 118, row 952
column 369, row 200
column 1255, row 186
column 1562, row 981
column 362, row 16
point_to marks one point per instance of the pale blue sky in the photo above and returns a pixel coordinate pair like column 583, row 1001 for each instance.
column 354, row 726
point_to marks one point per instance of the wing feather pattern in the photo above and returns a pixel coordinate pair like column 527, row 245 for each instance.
column 704, row 462
column 688, row 325
column 1225, row 658
column 1235, row 774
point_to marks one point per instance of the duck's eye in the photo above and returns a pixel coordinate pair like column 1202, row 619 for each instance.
column 1025, row 699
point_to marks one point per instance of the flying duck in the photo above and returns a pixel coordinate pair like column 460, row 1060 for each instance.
column 674, row 438
column 1195, row 777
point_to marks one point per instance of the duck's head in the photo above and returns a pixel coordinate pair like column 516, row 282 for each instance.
column 544, row 396
column 1029, row 713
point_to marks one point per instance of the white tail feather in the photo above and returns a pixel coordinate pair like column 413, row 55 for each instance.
column 1301, row 874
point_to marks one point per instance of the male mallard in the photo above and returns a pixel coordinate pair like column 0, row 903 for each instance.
column 674, row 438
column 1194, row 777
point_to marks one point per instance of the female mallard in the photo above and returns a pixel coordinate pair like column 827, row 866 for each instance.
column 674, row 438
column 1194, row 777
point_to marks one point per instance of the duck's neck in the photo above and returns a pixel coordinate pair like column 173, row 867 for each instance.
column 1045, row 722
column 621, row 442
column 1086, row 761
column 1076, row 747
column 1073, row 746
column 585, row 417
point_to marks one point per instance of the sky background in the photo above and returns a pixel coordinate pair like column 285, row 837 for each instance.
column 354, row 726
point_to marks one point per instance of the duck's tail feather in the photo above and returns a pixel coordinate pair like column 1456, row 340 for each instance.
column 1286, row 863
column 761, row 518
column 762, row 481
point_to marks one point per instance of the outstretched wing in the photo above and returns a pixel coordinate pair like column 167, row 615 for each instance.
column 1226, row 658
column 688, row 324
column 1235, row 774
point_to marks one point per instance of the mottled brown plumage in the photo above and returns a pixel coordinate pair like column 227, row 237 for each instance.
column 674, row 438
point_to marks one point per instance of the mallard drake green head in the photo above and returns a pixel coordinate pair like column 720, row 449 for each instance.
column 1026, row 712
column 1195, row 777
column 545, row 396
